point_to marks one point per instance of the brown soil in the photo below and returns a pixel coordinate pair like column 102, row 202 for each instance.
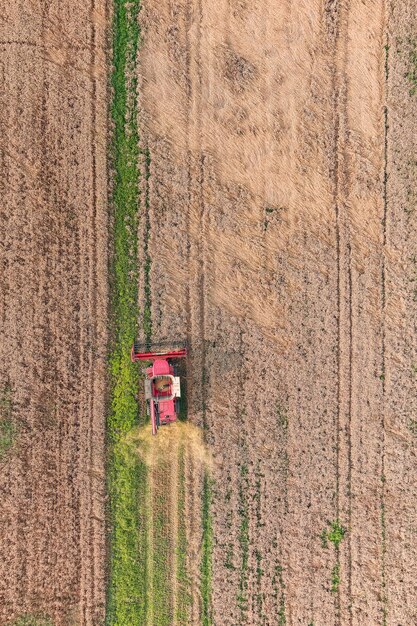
column 53, row 309
column 283, row 235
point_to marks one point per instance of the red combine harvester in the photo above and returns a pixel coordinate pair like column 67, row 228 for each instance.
column 162, row 383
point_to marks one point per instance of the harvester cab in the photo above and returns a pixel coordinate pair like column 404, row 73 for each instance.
column 162, row 382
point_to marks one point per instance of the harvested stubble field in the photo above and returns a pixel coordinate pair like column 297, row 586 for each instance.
column 263, row 206
column 53, row 305
column 282, row 214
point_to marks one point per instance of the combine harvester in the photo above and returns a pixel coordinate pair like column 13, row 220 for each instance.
column 162, row 382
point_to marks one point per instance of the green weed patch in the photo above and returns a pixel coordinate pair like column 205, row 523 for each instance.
column 335, row 578
column 334, row 534
column 8, row 428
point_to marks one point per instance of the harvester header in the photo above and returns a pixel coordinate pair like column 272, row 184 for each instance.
column 156, row 354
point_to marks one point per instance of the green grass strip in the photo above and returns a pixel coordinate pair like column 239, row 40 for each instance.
column 127, row 476
column 207, row 552
column 183, row 582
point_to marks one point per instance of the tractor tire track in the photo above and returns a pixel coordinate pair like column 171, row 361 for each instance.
column 196, row 214
column 92, row 531
column 357, row 250
column 188, row 94
column 197, row 229
column 337, row 23
column 193, row 530
column 384, row 591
